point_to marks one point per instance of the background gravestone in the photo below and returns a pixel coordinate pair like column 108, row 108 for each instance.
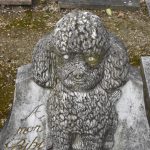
column 148, row 5
column 145, row 70
column 15, row 2
column 130, row 4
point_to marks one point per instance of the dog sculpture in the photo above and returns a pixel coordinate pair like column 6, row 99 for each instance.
column 84, row 66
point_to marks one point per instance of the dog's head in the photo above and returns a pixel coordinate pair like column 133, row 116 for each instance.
column 81, row 46
column 81, row 43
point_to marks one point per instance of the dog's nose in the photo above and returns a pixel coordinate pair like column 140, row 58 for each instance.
column 78, row 76
column 79, row 69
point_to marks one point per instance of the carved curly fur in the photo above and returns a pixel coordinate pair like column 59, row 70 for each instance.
column 81, row 107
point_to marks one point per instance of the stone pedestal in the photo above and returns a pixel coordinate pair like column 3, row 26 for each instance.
column 133, row 130
column 27, row 127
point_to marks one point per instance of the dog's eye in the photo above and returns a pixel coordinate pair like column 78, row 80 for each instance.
column 92, row 60
column 66, row 57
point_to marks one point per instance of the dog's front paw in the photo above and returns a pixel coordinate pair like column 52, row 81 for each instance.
column 108, row 145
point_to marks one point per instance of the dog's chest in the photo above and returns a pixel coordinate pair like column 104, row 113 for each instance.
column 76, row 111
column 79, row 104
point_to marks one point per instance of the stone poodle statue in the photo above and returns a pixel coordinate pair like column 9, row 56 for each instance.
column 84, row 66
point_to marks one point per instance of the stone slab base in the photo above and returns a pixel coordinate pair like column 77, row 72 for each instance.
column 27, row 127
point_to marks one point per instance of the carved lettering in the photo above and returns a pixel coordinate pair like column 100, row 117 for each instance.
column 35, row 111
column 26, row 130
column 30, row 129
column 36, row 144
column 21, row 144
column 22, row 130
column 24, row 145
column 38, row 128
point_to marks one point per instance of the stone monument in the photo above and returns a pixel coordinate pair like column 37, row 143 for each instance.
column 15, row 2
column 96, row 4
column 79, row 93
column 148, row 5
column 145, row 70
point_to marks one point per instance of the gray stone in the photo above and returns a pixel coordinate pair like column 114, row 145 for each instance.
column 26, row 122
column 15, row 2
column 133, row 132
column 145, row 70
column 27, row 125
column 148, row 5
column 124, row 4
column 88, row 98
column 84, row 66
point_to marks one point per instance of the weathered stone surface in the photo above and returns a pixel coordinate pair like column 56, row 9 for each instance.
column 148, row 5
column 145, row 70
column 99, row 3
column 87, row 102
column 133, row 130
column 15, row 2
column 27, row 126
column 84, row 66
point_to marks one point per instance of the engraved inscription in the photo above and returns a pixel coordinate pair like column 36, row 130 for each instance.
column 29, row 137
column 26, row 130
column 24, row 145
column 37, row 111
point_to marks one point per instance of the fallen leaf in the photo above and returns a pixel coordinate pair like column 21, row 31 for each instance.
column 109, row 11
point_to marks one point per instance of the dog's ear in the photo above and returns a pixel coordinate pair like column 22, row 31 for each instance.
column 44, row 63
column 116, row 65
